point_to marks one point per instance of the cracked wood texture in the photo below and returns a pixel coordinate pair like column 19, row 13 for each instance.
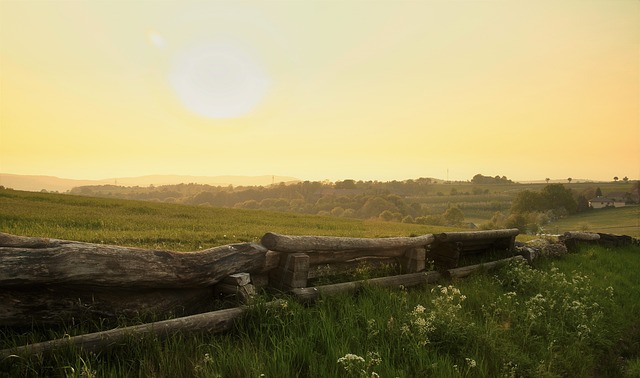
column 306, row 244
column 50, row 280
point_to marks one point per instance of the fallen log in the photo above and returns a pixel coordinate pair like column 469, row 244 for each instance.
column 35, row 261
column 215, row 321
column 470, row 269
column 612, row 240
column 476, row 235
column 573, row 239
column 292, row 244
column 583, row 236
column 311, row 294
column 49, row 280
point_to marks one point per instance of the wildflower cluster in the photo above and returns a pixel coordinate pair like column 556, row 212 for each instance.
column 445, row 309
column 420, row 325
column 449, row 302
column 357, row 366
column 567, row 307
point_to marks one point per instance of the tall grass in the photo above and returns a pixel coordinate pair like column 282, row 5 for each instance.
column 576, row 316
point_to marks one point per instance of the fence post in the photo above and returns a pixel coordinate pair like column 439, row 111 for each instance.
column 292, row 272
column 413, row 260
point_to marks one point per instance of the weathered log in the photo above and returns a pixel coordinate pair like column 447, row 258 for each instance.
column 311, row 294
column 476, row 235
column 467, row 270
column 35, row 261
column 54, row 304
column 215, row 321
column 583, row 236
column 613, row 240
column 572, row 239
column 287, row 243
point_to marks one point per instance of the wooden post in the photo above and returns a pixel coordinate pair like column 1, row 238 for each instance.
column 445, row 255
column 414, row 260
column 237, row 285
column 293, row 272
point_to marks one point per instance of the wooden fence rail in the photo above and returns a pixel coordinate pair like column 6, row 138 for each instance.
column 49, row 280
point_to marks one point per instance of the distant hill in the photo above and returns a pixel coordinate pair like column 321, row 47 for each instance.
column 52, row 183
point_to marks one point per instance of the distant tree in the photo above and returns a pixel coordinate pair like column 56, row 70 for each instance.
column 547, row 180
column 582, row 204
column 453, row 216
column 480, row 179
column 615, row 178
column 337, row 211
column 518, row 221
column 349, row 213
column 407, row 219
column 346, row 184
column 569, row 179
column 558, row 197
column 527, row 201
column 386, row 215
column 553, row 197
column 625, row 179
column 598, row 192
column 376, row 205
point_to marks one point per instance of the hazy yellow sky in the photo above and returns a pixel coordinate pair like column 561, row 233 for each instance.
column 321, row 89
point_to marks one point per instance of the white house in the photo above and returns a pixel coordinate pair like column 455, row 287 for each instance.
column 600, row 202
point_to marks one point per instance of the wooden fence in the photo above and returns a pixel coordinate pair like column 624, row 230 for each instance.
column 49, row 280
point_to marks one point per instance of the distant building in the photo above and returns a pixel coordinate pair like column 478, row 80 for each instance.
column 622, row 198
column 601, row 202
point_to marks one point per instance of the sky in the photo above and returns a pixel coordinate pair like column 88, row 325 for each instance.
column 365, row 90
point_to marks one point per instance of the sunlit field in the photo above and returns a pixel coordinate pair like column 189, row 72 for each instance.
column 573, row 316
column 170, row 226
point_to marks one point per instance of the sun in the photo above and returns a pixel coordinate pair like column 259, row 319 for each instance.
column 218, row 80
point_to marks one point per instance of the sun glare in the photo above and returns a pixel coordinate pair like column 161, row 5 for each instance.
column 156, row 39
column 218, row 80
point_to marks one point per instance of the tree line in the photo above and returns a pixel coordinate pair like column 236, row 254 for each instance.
column 409, row 201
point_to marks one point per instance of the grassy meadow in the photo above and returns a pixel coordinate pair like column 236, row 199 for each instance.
column 574, row 316
column 170, row 226
column 622, row 221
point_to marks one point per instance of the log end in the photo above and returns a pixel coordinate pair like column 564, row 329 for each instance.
column 270, row 240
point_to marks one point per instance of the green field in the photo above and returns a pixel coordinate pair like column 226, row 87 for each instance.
column 420, row 201
column 622, row 221
column 170, row 226
column 570, row 317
